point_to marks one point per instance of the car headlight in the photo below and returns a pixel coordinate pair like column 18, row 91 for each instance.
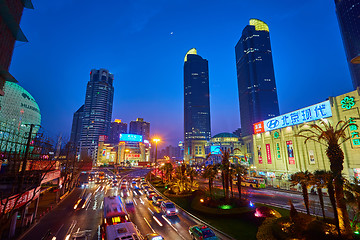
column 167, row 211
column 176, row 210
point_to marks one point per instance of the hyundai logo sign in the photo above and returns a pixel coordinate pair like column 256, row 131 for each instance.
column 272, row 123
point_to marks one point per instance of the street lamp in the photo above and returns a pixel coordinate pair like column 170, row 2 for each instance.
column 156, row 140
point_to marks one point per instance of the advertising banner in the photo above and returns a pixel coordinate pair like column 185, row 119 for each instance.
column 259, row 154
column 311, row 157
column 290, row 151
column 18, row 200
column 268, row 153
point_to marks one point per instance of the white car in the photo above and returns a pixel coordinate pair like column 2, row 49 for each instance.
column 168, row 208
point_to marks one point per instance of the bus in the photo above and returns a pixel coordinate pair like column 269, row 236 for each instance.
column 254, row 182
column 114, row 212
column 126, row 230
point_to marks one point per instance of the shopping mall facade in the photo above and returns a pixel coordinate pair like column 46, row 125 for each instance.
column 132, row 150
column 278, row 152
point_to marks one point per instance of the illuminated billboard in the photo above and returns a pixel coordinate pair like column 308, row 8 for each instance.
column 215, row 149
column 308, row 114
column 131, row 137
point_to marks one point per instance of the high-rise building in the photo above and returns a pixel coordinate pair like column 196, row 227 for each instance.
column 10, row 31
column 197, row 128
column 255, row 74
column 76, row 127
column 140, row 127
column 116, row 128
column 97, row 110
column 348, row 12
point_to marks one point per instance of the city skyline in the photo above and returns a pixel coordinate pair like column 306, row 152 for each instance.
column 216, row 43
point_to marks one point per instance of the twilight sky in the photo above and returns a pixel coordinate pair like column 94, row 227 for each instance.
column 143, row 43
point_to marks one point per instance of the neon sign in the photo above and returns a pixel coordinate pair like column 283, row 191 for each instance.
column 347, row 103
column 131, row 137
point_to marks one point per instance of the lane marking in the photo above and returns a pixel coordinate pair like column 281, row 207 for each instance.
column 151, row 211
column 157, row 220
column 149, row 225
column 167, row 220
column 134, row 201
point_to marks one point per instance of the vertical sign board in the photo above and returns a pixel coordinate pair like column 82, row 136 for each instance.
column 290, row 151
column 311, row 157
column 259, row 154
column 268, row 153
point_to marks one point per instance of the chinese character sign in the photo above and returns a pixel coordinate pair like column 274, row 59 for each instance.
column 268, row 153
column 354, row 133
column 311, row 113
column 278, row 153
column 259, row 154
column 290, row 151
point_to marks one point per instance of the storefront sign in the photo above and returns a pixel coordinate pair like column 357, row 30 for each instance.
column 290, row 151
column 354, row 132
column 259, row 154
column 268, row 153
column 17, row 200
column 278, row 152
column 276, row 135
column 308, row 114
column 311, row 157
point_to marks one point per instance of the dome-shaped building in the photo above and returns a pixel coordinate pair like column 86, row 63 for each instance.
column 18, row 109
column 224, row 142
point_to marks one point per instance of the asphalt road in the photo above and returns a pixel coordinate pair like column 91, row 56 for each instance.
column 63, row 222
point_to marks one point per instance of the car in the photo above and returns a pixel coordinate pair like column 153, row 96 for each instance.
column 202, row 232
column 150, row 194
column 123, row 186
column 137, row 192
column 124, row 193
column 157, row 200
column 129, row 205
column 153, row 236
column 168, row 208
column 147, row 188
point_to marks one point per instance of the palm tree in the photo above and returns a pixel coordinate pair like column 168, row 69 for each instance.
column 168, row 168
column 332, row 137
column 352, row 194
column 318, row 180
column 304, row 179
column 210, row 173
column 240, row 171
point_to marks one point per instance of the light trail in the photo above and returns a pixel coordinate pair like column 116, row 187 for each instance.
column 157, row 220
column 149, row 225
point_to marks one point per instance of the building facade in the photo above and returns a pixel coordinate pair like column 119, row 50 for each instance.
column 116, row 128
column 140, row 127
column 225, row 142
column 280, row 153
column 76, row 127
column 10, row 31
column 197, row 127
column 97, row 110
column 348, row 12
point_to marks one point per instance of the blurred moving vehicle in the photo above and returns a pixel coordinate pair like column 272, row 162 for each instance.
column 264, row 211
column 253, row 182
column 157, row 200
column 150, row 194
column 168, row 208
column 129, row 205
column 82, row 202
column 202, row 232
column 153, row 236
column 126, row 230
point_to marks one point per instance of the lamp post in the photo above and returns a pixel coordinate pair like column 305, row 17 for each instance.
column 156, row 140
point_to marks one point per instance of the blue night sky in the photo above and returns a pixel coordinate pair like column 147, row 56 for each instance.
column 132, row 38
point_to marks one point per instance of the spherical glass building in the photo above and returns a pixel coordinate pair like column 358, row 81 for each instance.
column 18, row 109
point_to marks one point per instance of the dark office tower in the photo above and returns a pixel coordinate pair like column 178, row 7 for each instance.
column 140, row 127
column 10, row 16
column 77, row 126
column 116, row 128
column 348, row 12
column 197, row 129
column 97, row 109
column 255, row 73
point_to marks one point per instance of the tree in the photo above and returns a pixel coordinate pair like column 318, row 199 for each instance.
column 168, row 169
column 240, row 171
column 319, row 181
column 210, row 173
column 304, row 179
column 352, row 196
column 332, row 138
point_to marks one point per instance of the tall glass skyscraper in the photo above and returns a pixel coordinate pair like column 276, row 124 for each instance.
column 197, row 129
column 97, row 110
column 348, row 12
column 76, row 128
column 255, row 73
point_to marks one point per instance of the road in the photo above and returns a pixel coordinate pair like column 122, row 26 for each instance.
column 63, row 222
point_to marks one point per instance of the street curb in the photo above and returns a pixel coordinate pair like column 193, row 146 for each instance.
column 193, row 216
column 36, row 222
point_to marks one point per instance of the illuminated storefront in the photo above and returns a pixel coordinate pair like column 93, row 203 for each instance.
column 279, row 153
column 132, row 150
column 18, row 109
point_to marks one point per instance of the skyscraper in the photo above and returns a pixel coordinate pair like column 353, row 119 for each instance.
column 97, row 109
column 140, row 127
column 10, row 31
column 255, row 74
column 197, row 128
column 76, row 127
column 116, row 128
column 348, row 13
